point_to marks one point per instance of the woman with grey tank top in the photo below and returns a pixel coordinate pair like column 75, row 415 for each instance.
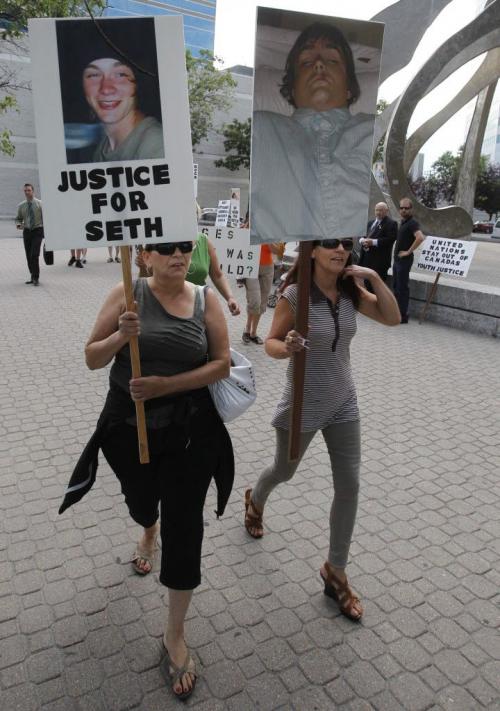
column 184, row 347
column 330, row 404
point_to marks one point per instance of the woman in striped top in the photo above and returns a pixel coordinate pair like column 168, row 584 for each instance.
column 330, row 404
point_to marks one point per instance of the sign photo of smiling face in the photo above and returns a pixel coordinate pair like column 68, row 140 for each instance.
column 110, row 90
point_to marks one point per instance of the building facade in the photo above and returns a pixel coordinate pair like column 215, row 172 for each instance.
column 198, row 16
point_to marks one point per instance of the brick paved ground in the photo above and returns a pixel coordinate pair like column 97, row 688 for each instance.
column 80, row 632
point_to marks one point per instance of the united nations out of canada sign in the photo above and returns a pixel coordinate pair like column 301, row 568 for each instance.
column 113, row 137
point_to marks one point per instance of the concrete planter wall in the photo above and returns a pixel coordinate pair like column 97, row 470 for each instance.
column 459, row 304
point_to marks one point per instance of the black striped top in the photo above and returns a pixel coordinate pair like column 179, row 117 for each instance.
column 329, row 390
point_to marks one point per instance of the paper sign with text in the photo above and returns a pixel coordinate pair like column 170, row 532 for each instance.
column 195, row 177
column 223, row 213
column 451, row 257
column 112, row 129
column 237, row 257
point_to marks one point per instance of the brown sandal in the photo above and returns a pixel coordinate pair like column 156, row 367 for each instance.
column 253, row 517
column 342, row 594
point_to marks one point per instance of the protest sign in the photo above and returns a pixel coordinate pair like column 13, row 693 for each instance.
column 195, row 177
column 102, row 186
column 234, row 210
column 450, row 257
column 312, row 141
column 312, row 136
column 237, row 257
column 223, row 213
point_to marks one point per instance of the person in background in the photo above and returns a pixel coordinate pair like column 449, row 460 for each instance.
column 258, row 290
column 409, row 239
column 29, row 219
column 77, row 258
column 376, row 247
column 117, row 255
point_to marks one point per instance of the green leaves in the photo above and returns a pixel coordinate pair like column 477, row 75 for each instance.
column 237, row 145
column 210, row 90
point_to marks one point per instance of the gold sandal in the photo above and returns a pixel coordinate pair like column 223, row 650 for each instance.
column 253, row 517
column 342, row 594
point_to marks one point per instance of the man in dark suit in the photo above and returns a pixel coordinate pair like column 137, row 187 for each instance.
column 376, row 247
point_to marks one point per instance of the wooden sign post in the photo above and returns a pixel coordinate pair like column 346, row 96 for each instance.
column 430, row 296
column 134, row 356
column 299, row 359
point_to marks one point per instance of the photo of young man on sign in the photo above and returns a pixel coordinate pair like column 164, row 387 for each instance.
column 315, row 95
column 109, row 89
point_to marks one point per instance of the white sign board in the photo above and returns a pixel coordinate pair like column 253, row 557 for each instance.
column 451, row 257
column 237, row 257
column 112, row 128
column 234, row 217
column 223, row 213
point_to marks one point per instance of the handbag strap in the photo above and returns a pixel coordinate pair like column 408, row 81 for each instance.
column 201, row 292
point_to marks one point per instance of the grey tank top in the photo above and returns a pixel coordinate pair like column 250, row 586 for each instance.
column 168, row 345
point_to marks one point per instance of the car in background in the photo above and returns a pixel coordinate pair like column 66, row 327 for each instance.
column 208, row 217
column 496, row 230
column 485, row 228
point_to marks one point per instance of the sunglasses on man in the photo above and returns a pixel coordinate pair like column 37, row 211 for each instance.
column 347, row 244
column 167, row 249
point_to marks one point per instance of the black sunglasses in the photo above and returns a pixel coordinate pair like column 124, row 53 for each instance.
column 347, row 244
column 168, row 248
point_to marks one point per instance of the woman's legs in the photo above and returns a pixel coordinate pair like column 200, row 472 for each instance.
column 281, row 470
column 343, row 443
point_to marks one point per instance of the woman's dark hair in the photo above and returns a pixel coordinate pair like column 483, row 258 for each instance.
column 336, row 39
column 346, row 287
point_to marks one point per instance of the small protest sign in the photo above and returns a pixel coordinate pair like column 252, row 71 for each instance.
column 234, row 217
column 237, row 257
column 223, row 213
column 450, row 257
column 195, row 178
column 112, row 125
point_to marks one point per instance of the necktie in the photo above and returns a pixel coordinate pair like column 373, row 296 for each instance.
column 374, row 227
column 31, row 215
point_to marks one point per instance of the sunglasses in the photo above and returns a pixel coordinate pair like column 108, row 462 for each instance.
column 168, row 248
column 347, row 244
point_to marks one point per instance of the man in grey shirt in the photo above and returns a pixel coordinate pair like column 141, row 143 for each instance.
column 311, row 171
column 29, row 219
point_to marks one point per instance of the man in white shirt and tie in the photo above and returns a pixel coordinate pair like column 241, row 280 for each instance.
column 377, row 246
column 29, row 219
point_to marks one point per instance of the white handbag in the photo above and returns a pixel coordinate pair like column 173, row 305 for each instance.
column 233, row 395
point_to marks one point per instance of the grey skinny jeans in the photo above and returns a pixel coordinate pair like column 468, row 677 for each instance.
column 343, row 441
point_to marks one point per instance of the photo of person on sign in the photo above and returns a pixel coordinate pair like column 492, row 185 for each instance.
column 311, row 156
column 110, row 91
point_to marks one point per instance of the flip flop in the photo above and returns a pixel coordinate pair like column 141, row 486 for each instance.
column 173, row 673
column 146, row 555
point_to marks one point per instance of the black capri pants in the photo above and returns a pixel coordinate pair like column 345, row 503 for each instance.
column 176, row 479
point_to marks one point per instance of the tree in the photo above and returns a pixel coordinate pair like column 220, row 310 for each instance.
column 236, row 139
column 445, row 172
column 487, row 197
column 210, row 90
column 426, row 190
column 14, row 16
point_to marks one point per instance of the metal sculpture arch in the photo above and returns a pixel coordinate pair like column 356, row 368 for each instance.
column 479, row 36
